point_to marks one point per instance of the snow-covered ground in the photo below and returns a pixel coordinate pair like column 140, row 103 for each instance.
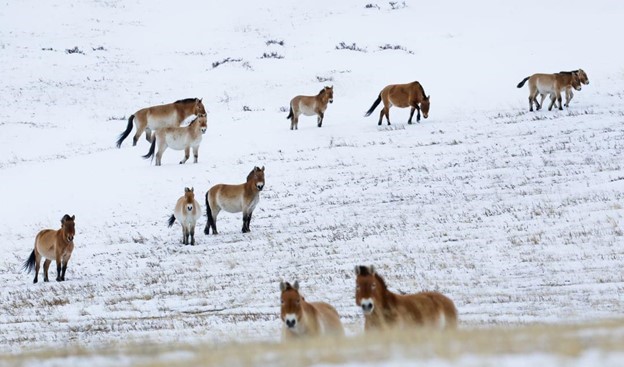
column 517, row 216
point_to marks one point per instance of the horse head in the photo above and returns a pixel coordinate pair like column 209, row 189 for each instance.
column 328, row 94
column 68, row 226
column 424, row 106
column 199, row 107
column 368, row 288
column 189, row 198
column 256, row 177
column 291, row 310
column 202, row 122
column 576, row 81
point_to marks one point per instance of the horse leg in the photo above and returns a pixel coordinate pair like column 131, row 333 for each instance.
column 64, row 269
column 196, row 154
column 184, row 235
column 296, row 120
column 187, row 154
column 381, row 115
column 59, row 266
column 245, row 222
column 320, row 119
column 249, row 221
column 139, row 131
column 159, row 154
column 192, row 231
column 46, row 266
column 409, row 121
column 553, row 98
column 37, row 262
column 387, row 110
column 569, row 95
column 148, row 134
column 559, row 100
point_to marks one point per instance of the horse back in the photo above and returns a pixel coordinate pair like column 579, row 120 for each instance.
column 431, row 309
column 328, row 318
column 227, row 197
column 157, row 117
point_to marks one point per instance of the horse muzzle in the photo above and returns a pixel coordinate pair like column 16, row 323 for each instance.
column 260, row 187
column 578, row 88
column 70, row 238
column 331, row 101
column 367, row 307
column 189, row 208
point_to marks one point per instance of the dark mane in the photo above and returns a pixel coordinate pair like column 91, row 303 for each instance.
column 322, row 91
column 186, row 100
column 568, row 72
column 423, row 91
column 288, row 287
column 249, row 176
column 381, row 281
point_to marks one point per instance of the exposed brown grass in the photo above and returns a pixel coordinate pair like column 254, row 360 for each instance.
column 565, row 341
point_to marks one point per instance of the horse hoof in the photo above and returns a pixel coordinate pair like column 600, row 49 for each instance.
column 58, row 279
column 409, row 122
column 206, row 231
column 35, row 281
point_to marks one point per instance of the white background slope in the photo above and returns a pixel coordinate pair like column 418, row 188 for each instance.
column 516, row 216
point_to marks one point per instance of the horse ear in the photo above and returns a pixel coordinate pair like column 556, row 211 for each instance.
column 357, row 270
column 282, row 286
column 372, row 270
column 262, row 169
column 296, row 285
column 192, row 189
column 73, row 217
column 186, row 189
column 429, row 96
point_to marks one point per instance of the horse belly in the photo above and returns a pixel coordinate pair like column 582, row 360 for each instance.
column 176, row 142
column 307, row 110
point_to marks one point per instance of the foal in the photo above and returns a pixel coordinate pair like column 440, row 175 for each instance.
column 306, row 319
column 234, row 199
column 156, row 117
column 310, row 106
column 383, row 309
column 551, row 84
column 402, row 95
column 179, row 138
column 51, row 244
column 187, row 212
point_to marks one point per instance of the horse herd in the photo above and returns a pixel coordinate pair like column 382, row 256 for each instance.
column 381, row 308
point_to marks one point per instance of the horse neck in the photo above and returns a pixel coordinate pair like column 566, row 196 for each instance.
column 309, row 316
column 61, row 237
column 250, row 188
column 388, row 299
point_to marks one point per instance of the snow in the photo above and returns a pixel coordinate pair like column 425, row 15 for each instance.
column 516, row 216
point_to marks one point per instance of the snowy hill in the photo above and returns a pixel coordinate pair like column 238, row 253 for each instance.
column 516, row 216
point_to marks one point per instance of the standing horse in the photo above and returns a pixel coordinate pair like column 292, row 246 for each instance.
column 310, row 106
column 582, row 76
column 402, row 95
column 551, row 84
column 234, row 199
column 156, row 117
column 179, row 138
column 187, row 212
column 383, row 309
column 303, row 318
column 51, row 244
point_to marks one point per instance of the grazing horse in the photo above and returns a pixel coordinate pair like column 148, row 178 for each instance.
column 51, row 244
column 551, row 84
column 157, row 117
column 187, row 212
column 402, row 95
column 179, row 138
column 234, row 199
column 303, row 318
column 383, row 309
column 310, row 106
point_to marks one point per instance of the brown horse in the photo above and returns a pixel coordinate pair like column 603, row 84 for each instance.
column 551, row 84
column 179, row 138
column 383, row 309
column 156, row 117
column 303, row 318
column 51, row 244
column 402, row 95
column 187, row 212
column 582, row 76
column 310, row 106
column 234, row 199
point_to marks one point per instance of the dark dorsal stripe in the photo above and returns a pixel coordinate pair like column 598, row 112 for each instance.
column 186, row 100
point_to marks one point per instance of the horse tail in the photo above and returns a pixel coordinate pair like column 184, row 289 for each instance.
column 150, row 154
column 125, row 134
column 521, row 84
column 290, row 114
column 210, row 222
column 171, row 220
column 29, row 264
column 375, row 104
